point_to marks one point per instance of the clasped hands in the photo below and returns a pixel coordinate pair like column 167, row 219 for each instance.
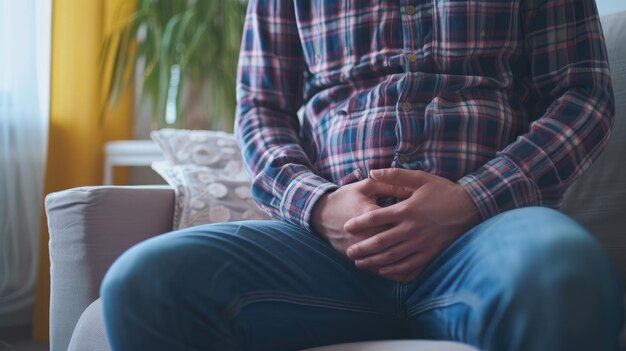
column 398, row 241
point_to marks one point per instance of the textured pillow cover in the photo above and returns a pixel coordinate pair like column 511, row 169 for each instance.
column 206, row 171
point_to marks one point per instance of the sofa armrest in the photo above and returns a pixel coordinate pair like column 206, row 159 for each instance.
column 89, row 228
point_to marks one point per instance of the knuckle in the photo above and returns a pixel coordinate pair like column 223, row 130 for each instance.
column 399, row 210
column 362, row 185
column 379, row 240
column 401, row 191
column 371, row 207
column 370, row 217
column 389, row 255
column 404, row 268
column 421, row 174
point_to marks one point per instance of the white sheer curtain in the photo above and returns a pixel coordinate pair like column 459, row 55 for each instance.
column 25, row 28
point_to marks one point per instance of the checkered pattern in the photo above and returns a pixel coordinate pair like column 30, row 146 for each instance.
column 512, row 99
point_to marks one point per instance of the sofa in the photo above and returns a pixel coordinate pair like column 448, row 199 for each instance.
column 90, row 227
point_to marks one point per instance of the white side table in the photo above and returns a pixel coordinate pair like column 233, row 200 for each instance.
column 129, row 153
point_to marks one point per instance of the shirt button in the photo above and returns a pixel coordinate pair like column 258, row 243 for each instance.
column 410, row 10
column 411, row 57
column 406, row 106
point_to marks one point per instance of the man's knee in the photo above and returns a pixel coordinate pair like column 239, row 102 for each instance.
column 550, row 274
column 540, row 246
column 159, row 269
column 132, row 274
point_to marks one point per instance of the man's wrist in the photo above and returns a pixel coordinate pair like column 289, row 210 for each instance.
column 500, row 185
column 300, row 197
column 317, row 214
column 473, row 216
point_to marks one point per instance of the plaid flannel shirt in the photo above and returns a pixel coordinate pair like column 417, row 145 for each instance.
column 512, row 99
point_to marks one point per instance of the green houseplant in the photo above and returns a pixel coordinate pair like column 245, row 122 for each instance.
column 178, row 45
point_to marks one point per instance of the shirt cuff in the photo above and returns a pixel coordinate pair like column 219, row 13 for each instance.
column 301, row 196
column 500, row 185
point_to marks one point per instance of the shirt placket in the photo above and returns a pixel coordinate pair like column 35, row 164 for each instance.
column 405, row 108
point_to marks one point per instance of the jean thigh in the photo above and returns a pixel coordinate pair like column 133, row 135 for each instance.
column 262, row 285
column 527, row 279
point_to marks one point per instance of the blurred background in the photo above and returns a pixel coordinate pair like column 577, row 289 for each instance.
column 82, row 84
column 75, row 76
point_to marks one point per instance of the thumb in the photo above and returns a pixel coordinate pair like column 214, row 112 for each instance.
column 400, row 177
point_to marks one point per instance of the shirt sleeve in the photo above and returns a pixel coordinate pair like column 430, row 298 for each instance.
column 269, row 93
column 570, row 76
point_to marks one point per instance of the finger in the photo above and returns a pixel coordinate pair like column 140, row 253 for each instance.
column 376, row 243
column 409, row 266
column 391, row 255
column 374, row 188
column 365, row 207
column 370, row 233
column 401, row 177
column 379, row 217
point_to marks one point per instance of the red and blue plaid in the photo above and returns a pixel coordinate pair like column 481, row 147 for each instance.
column 512, row 99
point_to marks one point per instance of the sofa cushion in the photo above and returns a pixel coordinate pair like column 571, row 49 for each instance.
column 89, row 228
column 397, row 345
column 597, row 199
column 206, row 170
column 90, row 335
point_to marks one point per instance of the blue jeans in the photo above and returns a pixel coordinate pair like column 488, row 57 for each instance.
column 528, row 279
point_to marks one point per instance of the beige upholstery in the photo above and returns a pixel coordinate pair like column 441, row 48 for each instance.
column 89, row 334
column 89, row 228
column 598, row 198
column 396, row 345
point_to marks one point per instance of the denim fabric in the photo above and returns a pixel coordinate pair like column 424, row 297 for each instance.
column 527, row 279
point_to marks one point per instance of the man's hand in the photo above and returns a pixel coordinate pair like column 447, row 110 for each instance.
column 333, row 210
column 420, row 227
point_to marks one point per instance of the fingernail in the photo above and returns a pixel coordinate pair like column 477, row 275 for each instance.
column 350, row 252
column 376, row 173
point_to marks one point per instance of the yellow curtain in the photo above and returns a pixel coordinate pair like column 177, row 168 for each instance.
column 76, row 136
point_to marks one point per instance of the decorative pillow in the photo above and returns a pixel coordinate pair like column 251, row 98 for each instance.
column 206, row 171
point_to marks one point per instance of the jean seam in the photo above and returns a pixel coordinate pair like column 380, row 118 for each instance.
column 263, row 296
column 400, row 311
column 469, row 299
